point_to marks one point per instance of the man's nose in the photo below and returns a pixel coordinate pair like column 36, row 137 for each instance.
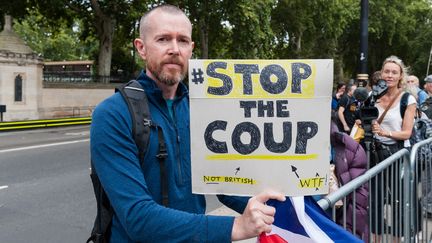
column 174, row 48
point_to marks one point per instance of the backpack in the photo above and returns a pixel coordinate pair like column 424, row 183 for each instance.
column 422, row 128
column 426, row 107
column 137, row 103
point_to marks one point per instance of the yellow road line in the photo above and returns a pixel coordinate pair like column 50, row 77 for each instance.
column 44, row 123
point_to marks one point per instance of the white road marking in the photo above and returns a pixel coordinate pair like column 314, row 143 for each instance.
column 43, row 145
column 3, row 187
column 77, row 133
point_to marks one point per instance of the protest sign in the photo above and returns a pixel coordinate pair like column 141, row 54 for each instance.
column 258, row 124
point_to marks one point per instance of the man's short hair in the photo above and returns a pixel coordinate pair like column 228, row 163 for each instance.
column 428, row 79
column 167, row 8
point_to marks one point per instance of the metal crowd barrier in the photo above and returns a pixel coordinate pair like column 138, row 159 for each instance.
column 400, row 197
column 421, row 190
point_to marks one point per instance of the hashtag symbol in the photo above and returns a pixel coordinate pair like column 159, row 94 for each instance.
column 197, row 76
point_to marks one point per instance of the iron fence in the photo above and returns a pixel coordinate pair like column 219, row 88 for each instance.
column 83, row 77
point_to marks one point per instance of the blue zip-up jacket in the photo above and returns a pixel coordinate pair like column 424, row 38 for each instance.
column 135, row 192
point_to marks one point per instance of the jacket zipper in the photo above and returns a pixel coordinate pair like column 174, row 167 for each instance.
column 178, row 145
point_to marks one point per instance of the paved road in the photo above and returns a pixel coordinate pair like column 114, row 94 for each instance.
column 46, row 193
column 45, row 189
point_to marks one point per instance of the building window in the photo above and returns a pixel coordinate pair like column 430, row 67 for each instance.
column 18, row 88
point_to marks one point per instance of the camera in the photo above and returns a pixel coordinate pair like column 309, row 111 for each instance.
column 367, row 111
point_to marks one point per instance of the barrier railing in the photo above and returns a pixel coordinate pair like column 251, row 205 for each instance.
column 402, row 183
column 421, row 190
column 385, row 190
column 16, row 125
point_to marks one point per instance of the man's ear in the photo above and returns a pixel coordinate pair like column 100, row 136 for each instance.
column 140, row 47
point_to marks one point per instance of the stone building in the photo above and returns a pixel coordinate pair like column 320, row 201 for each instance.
column 27, row 96
column 20, row 76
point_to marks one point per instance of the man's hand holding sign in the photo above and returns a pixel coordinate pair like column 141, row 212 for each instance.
column 257, row 216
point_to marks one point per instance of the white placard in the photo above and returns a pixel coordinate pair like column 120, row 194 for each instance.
column 259, row 124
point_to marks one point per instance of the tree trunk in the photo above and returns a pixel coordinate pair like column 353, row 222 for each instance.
column 203, row 33
column 105, row 47
column 338, row 69
column 105, row 25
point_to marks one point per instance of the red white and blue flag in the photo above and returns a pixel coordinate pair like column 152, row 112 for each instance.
column 300, row 219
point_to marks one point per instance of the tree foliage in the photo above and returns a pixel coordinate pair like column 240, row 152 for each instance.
column 279, row 29
column 58, row 43
column 402, row 28
column 101, row 19
column 252, row 36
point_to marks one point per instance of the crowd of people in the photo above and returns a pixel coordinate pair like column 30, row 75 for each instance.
column 402, row 102
column 346, row 106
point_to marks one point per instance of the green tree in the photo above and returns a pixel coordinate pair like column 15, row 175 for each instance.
column 314, row 29
column 252, row 36
column 230, row 29
column 420, row 37
column 207, row 17
column 100, row 19
column 253, row 29
column 54, row 43
column 402, row 28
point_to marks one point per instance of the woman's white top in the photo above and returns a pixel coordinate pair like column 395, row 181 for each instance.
column 393, row 121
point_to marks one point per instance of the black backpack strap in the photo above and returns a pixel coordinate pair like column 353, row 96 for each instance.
column 137, row 102
column 162, row 155
column 404, row 103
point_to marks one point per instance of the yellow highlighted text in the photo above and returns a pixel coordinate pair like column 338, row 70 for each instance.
column 261, row 157
column 314, row 182
column 228, row 179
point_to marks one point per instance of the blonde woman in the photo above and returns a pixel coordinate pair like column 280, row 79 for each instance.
column 391, row 132
column 394, row 129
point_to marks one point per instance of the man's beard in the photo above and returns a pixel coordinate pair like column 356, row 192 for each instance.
column 166, row 77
